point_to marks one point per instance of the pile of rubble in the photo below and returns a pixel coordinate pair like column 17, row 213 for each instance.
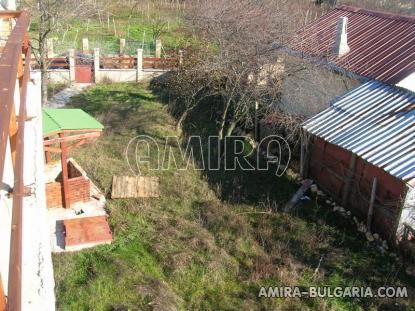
column 382, row 245
column 373, row 238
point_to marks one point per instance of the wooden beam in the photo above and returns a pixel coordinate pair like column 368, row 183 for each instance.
column 305, row 154
column 65, row 184
column 302, row 157
column 64, row 138
column 48, row 156
column 13, row 135
column 52, row 149
column 372, row 203
column 79, row 143
column 2, row 296
column 349, row 179
column 9, row 14
column 14, row 292
column 298, row 195
column 13, row 119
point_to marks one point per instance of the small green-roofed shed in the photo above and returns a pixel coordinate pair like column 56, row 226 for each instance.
column 58, row 120
column 64, row 130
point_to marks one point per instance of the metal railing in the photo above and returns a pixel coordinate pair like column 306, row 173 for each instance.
column 14, row 65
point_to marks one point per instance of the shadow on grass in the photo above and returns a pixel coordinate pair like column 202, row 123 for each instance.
column 314, row 233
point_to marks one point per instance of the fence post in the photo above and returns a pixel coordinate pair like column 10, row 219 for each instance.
column 71, row 53
column 49, row 47
column 96, row 65
column 85, row 45
column 158, row 48
column 122, row 45
column 139, row 64
column 180, row 58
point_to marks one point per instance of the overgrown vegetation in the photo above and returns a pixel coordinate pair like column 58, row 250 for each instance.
column 213, row 238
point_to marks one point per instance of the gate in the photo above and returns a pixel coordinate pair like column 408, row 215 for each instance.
column 84, row 64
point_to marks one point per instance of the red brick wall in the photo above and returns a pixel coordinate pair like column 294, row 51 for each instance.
column 79, row 191
column 329, row 165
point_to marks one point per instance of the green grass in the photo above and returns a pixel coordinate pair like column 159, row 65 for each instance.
column 137, row 29
column 206, row 244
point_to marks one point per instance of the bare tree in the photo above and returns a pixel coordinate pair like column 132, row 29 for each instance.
column 50, row 16
column 241, row 34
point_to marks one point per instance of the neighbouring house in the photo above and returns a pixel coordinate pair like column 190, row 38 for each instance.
column 26, row 269
column 361, row 151
column 342, row 49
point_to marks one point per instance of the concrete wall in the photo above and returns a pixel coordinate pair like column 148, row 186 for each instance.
column 308, row 89
column 37, row 269
column 59, row 76
column 116, row 75
column 408, row 213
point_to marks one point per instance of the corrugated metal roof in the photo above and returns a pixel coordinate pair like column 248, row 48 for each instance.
column 376, row 122
column 382, row 44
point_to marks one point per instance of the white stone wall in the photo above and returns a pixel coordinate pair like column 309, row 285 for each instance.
column 408, row 83
column 308, row 89
column 116, row 75
column 37, row 268
column 408, row 212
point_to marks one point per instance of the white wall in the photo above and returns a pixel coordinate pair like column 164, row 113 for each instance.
column 408, row 212
column 8, row 5
column 37, row 268
column 308, row 89
column 116, row 75
column 408, row 83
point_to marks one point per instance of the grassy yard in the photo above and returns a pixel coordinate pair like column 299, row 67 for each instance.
column 213, row 238
column 137, row 28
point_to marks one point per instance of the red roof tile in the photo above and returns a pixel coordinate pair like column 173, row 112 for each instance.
column 382, row 44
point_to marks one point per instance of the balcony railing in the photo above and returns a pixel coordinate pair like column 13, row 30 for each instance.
column 14, row 71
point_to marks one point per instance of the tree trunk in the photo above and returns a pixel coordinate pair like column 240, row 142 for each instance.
column 181, row 120
column 223, row 119
column 43, row 56
column 231, row 128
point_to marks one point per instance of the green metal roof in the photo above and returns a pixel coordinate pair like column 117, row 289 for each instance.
column 56, row 120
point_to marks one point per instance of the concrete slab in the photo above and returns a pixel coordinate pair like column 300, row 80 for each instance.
column 94, row 207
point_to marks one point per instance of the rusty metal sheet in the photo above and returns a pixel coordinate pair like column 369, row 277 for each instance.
column 135, row 187
column 382, row 45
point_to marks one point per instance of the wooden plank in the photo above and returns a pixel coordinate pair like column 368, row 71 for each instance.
column 65, row 184
column 13, row 135
column 135, row 187
column 349, row 178
column 371, row 204
column 298, row 195
column 2, row 296
column 14, row 299
column 92, row 135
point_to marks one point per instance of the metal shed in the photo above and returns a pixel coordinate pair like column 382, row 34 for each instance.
column 364, row 143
